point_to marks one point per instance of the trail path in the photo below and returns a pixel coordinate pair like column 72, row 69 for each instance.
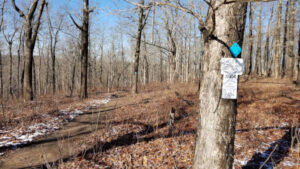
column 62, row 143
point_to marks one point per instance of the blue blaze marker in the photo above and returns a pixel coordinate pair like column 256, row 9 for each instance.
column 235, row 49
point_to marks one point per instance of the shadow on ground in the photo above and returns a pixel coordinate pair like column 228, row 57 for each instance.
column 275, row 153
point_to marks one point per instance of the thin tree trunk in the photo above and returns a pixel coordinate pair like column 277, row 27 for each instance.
column 137, row 49
column 284, row 59
column 34, row 77
column 73, row 77
column 217, row 117
column 251, row 13
column 10, row 70
column 1, row 77
column 259, row 39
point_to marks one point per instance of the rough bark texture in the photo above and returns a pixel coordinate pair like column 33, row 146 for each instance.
column 267, row 66
column 84, row 50
column 31, row 31
column 172, row 55
column 137, row 49
column 217, row 117
column 277, row 40
column 291, row 58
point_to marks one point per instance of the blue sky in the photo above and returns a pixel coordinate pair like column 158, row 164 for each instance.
column 102, row 13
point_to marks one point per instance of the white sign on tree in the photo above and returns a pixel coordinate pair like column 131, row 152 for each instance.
column 231, row 68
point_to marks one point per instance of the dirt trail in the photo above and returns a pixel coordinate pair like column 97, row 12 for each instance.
column 62, row 143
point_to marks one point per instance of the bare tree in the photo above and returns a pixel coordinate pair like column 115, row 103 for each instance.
column 284, row 46
column 84, row 29
column 258, row 47
column 53, row 42
column 251, row 13
column 1, row 66
column 217, row 117
column 31, row 31
column 9, row 37
column 141, row 25
column 267, row 59
column 291, row 58
column 276, row 59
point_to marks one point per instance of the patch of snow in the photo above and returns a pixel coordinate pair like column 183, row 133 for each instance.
column 99, row 102
column 289, row 164
column 3, row 132
column 241, row 162
column 284, row 124
column 16, row 137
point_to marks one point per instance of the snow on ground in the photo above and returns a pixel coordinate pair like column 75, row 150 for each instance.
column 268, row 147
column 21, row 136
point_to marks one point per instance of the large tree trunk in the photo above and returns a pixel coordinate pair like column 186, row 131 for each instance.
column 30, row 35
column 217, row 117
column 267, row 59
column 291, row 58
column 28, row 87
column 277, row 40
column 137, row 50
column 172, row 56
column 84, row 50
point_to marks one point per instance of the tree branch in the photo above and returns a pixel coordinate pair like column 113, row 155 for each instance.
column 32, row 9
column 38, row 21
column 79, row 27
column 2, row 13
column 138, row 5
column 18, row 9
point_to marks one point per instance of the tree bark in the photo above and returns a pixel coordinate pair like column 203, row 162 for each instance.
column 84, row 50
column 31, row 31
column 217, row 117
column 137, row 49
column 267, row 66
column 277, row 40
column 291, row 58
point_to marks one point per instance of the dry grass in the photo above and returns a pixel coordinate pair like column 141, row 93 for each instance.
column 263, row 109
column 136, row 136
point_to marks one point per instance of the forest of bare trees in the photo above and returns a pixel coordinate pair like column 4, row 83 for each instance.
column 168, row 48
column 46, row 50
